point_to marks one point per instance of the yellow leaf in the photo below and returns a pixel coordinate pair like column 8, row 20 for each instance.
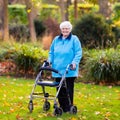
column 12, row 110
column 6, row 104
column 73, row 118
column 107, row 114
column 18, row 117
column 97, row 112
column 29, row 10
column 21, row 97
column 31, row 118
column 40, row 116
column 1, row 112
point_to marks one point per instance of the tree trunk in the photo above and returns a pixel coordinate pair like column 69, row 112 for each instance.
column 5, row 23
column 68, row 3
column 105, row 7
column 62, row 8
column 1, row 19
column 75, row 9
column 1, row 14
column 30, row 15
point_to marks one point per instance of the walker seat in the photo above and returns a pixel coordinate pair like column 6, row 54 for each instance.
column 48, row 83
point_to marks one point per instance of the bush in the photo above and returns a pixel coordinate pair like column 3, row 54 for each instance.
column 5, row 52
column 93, row 31
column 103, row 66
column 52, row 27
column 27, row 58
column 116, row 12
column 82, row 10
column 48, row 11
column 39, row 28
column 116, row 31
column 20, row 32
column 17, row 14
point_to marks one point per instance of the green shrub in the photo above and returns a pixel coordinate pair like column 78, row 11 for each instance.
column 5, row 51
column 116, row 31
column 19, row 32
column 116, row 12
column 27, row 57
column 82, row 10
column 17, row 14
column 118, row 47
column 93, row 31
column 48, row 11
column 39, row 28
column 115, row 22
column 103, row 65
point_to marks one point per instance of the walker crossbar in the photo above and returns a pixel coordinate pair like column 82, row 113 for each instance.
column 49, row 69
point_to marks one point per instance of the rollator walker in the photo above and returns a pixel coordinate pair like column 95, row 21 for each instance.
column 39, row 81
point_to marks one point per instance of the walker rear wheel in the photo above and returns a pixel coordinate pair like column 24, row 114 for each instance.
column 46, row 106
column 73, row 110
column 58, row 111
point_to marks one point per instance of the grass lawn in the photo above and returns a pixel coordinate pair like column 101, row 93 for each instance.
column 93, row 102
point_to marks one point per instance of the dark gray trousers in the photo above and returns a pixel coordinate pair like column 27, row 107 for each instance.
column 65, row 94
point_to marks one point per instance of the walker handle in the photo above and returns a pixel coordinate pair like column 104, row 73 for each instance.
column 49, row 69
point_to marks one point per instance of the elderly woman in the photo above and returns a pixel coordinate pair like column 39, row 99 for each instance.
column 65, row 49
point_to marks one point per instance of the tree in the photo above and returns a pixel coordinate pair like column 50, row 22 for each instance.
column 62, row 8
column 75, row 9
column 30, row 14
column 105, row 7
column 1, row 14
column 64, row 5
column 68, row 3
column 5, row 21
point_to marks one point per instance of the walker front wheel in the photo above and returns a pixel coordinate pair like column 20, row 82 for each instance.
column 46, row 106
column 73, row 110
column 30, row 106
column 58, row 111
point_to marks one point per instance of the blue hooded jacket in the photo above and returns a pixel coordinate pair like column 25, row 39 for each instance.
column 63, row 52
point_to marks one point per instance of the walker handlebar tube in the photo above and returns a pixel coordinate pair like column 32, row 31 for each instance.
column 46, row 66
column 49, row 69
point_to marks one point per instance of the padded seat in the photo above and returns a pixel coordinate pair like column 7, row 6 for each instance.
column 48, row 83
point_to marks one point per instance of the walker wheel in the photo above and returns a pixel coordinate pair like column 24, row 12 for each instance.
column 58, row 111
column 30, row 106
column 46, row 106
column 73, row 110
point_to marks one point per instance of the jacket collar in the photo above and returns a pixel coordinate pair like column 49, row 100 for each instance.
column 69, row 37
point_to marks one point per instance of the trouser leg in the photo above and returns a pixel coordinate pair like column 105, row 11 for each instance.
column 63, row 94
column 70, row 86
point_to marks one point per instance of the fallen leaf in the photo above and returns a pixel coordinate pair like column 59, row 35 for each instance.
column 97, row 112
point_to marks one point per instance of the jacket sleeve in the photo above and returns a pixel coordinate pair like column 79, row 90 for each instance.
column 77, row 51
column 51, row 52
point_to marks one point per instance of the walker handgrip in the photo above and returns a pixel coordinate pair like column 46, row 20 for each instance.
column 49, row 69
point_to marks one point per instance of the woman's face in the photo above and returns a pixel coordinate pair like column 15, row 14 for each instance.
column 65, row 31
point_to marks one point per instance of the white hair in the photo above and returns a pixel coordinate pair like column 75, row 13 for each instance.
column 66, row 24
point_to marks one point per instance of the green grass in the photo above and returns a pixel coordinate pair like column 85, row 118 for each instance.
column 93, row 102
